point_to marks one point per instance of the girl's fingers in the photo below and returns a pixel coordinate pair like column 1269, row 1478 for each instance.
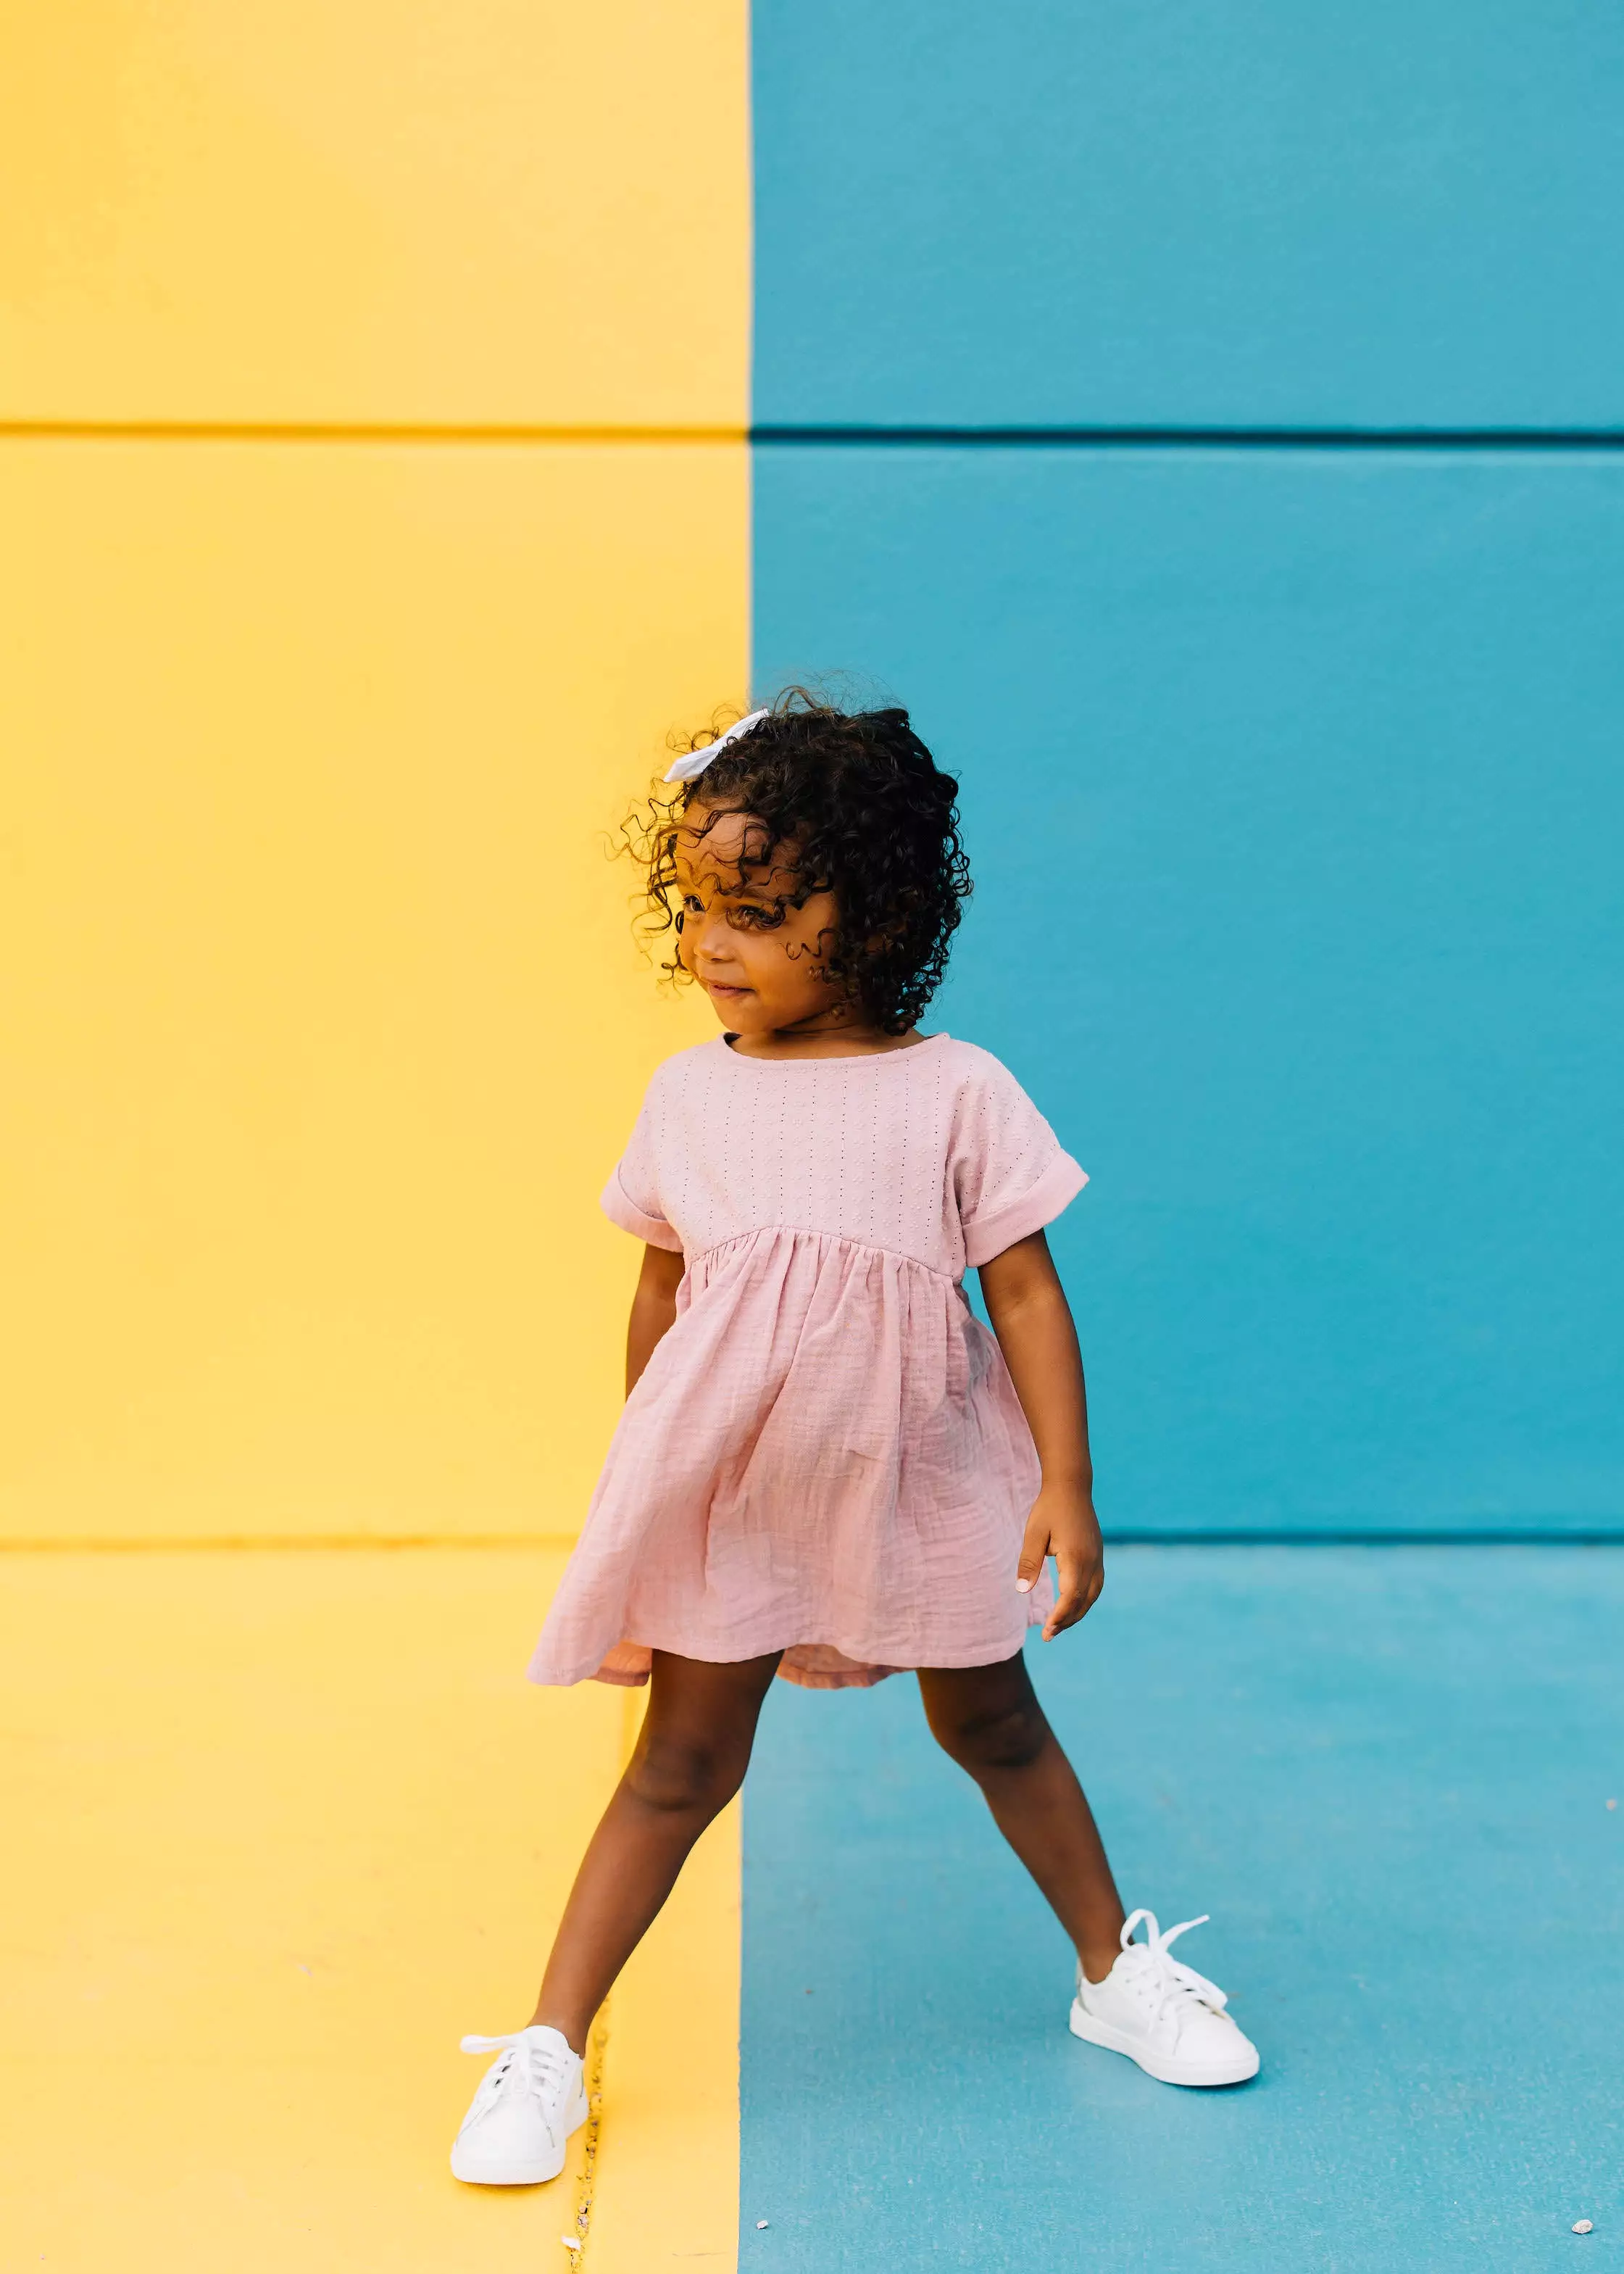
column 1068, row 1598
column 1078, row 1592
column 1033, row 1548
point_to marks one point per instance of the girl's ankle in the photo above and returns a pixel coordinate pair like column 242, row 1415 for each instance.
column 574, row 2037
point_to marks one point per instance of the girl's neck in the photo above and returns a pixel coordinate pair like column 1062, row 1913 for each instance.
column 835, row 1039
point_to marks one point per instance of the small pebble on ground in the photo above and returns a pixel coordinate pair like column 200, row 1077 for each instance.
column 1582, row 2225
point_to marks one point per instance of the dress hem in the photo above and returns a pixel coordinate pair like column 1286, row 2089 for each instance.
column 857, row 1673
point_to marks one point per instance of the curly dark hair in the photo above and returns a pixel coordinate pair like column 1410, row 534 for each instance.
column 870, row 816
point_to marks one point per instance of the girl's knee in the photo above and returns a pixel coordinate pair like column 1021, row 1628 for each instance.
column 685, row 1776
column 1000, row 1737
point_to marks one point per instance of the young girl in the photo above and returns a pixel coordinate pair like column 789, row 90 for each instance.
column 826, row 1468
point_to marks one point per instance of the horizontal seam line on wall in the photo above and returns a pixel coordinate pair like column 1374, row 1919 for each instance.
column 1203, row 437
column 1372, row 1536
column 204, row 430
column 1454, row 439
column 351, row 1543
column 332, row 1543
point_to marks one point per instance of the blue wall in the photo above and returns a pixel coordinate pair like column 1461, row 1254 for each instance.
column 1293, row 774
column 1197, row 212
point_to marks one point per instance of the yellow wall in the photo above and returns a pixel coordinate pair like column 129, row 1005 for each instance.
column 464, row 211
column 323, row 1025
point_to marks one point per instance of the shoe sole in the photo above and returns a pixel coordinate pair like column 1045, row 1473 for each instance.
column 1164, row 2069
column 518, row 2175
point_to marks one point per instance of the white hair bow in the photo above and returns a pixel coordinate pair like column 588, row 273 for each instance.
column 692, row 764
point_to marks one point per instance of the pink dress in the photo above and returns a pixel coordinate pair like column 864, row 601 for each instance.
column 825, row 1455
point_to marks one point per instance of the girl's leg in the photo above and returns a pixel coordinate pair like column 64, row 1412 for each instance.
column 988, row 1720
column 691, row 1761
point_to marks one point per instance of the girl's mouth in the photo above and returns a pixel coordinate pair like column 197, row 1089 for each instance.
column 719, row 987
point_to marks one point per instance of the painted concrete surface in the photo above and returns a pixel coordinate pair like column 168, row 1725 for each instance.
column 292, row 1822
column 1385, row 1773
column 1254, row 213
column 375, row 213
column 298, row 1240
column 1291, row 789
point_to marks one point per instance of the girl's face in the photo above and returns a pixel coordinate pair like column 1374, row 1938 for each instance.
column 753, row 935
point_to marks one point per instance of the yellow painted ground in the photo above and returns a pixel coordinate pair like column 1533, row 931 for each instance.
column 668, row 2190
column 290, row 1822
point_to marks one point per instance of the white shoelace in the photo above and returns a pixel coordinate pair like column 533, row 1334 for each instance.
column 528, row 2066
column 1159, row 1978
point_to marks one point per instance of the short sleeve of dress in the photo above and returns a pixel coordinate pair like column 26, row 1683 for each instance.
column 631, row 1197
column 1010, row 1174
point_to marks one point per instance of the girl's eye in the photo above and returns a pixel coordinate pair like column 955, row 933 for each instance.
column 692, row 905
column 746, row 918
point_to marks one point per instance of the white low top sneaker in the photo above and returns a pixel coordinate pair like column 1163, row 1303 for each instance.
column 531, row 2099
column 1166, row 2017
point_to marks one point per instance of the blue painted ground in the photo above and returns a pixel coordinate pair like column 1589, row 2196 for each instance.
column 1384, row 1771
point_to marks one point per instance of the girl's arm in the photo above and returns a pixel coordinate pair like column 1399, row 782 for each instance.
column 654, row 1306
column 1033, row 1321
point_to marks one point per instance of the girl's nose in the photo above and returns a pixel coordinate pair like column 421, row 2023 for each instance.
column 705, row 933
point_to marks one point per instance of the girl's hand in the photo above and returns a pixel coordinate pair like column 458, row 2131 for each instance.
column 1027, row 1306
column 1062, row 1524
